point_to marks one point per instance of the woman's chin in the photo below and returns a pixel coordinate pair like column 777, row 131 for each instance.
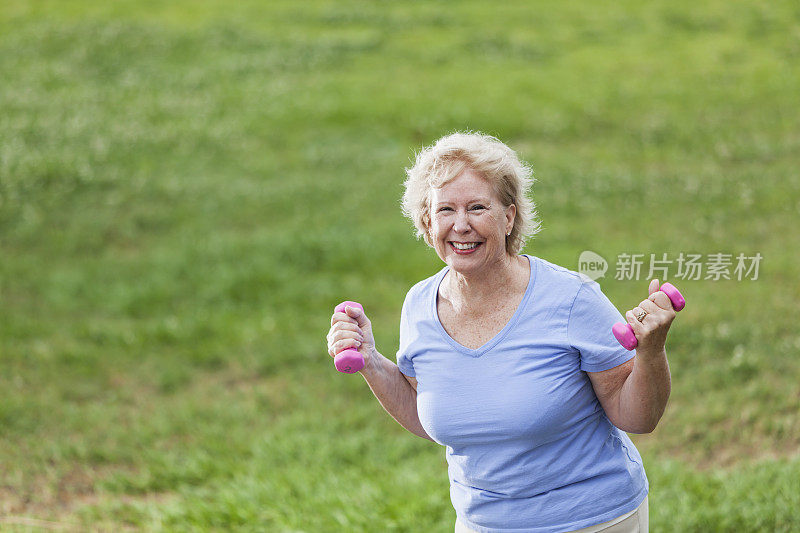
column 464, row 264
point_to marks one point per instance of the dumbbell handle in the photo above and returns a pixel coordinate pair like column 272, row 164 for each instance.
column 624, row 332
column 348, row 360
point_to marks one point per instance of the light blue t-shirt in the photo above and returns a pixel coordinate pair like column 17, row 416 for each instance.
column 528, row 445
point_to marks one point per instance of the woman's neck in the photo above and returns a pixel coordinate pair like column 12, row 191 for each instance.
column 468, row 292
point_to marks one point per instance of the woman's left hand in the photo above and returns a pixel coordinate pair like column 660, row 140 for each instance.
column 651, row 332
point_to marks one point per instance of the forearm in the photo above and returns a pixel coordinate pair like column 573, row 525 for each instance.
column 394, row 393
column 644, row 394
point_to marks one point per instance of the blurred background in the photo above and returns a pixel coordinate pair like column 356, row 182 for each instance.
column 188, row 188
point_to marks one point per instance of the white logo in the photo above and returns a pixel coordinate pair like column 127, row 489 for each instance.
column 591, row 266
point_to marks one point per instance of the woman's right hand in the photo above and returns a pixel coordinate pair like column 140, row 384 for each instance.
column 351, row 329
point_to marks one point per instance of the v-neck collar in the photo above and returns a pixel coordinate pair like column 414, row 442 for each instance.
column 502, row 333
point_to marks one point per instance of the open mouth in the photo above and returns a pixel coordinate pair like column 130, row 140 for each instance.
column 463, row 248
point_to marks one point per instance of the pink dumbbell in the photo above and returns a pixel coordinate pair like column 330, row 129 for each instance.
column 349, row 360
column 624, row 332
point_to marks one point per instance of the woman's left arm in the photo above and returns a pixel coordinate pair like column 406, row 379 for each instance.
column 634, row 394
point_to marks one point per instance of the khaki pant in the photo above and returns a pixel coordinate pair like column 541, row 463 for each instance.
column 636, row 521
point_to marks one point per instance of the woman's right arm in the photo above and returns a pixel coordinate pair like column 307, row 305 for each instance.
column 395, row 391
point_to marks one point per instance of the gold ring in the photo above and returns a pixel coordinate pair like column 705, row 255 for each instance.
column 640, row 315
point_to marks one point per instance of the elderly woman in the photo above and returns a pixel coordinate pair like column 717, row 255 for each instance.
column 508, row 360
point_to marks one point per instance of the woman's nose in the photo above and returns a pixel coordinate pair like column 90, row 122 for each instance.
column 461, row 224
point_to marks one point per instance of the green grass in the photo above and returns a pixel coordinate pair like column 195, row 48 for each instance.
column 187, row 189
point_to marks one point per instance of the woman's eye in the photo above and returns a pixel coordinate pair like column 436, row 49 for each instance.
column 477, row 207
column 444, row 209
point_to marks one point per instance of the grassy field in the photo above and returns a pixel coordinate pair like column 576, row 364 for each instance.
column 188, row 188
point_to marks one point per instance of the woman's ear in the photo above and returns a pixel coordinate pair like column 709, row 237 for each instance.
column 511, row 214
column 427, row 236
column 426, row 223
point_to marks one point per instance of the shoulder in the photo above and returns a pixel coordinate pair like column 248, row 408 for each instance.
column 425, row 287
column 553, row 269
column 556, row 279
column 422, row 292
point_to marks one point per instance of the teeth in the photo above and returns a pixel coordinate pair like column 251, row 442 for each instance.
column 465, row 246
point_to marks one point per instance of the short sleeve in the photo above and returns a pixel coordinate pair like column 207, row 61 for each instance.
column 589, row 330
column 404, row 362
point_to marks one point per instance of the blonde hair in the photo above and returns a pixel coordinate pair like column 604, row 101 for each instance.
column 448, row 157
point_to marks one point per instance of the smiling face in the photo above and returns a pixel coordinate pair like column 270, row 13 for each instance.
column 469, row 223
